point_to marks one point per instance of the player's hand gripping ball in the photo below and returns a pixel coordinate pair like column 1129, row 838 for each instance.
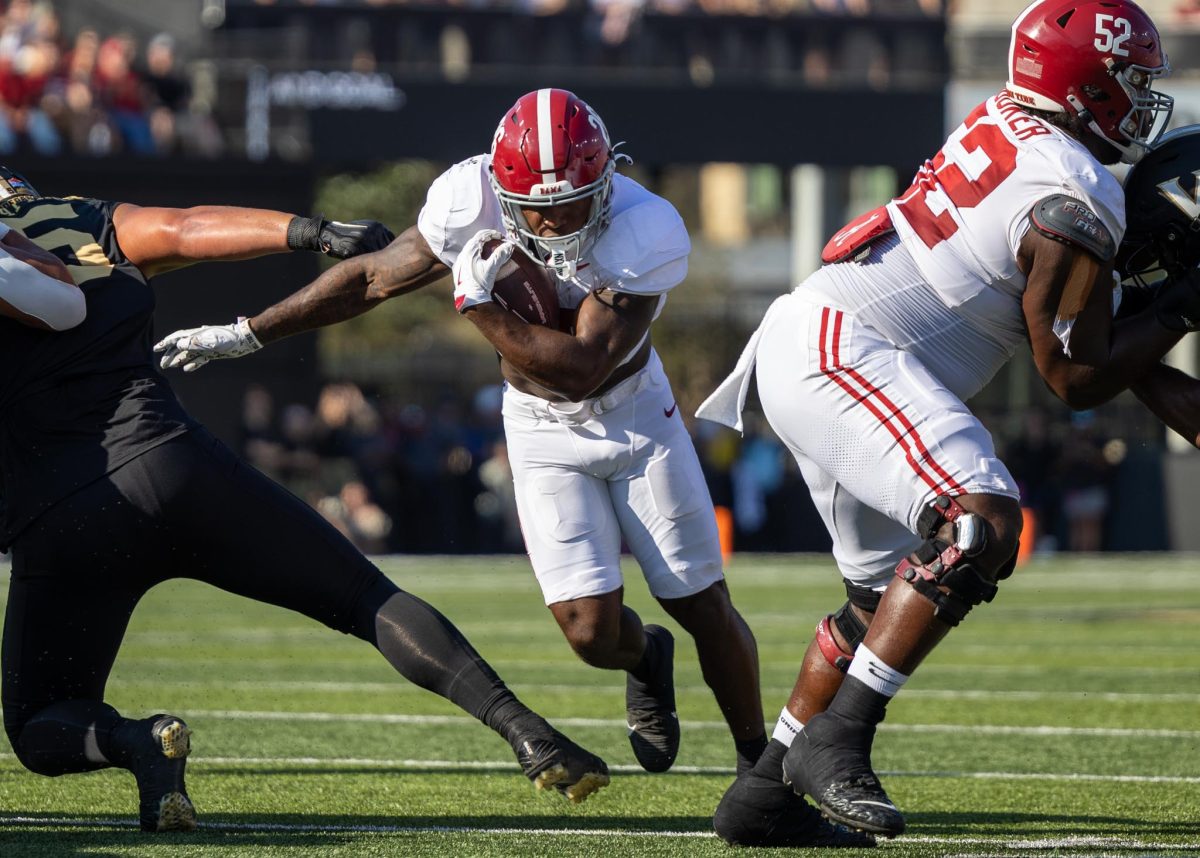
column 526, row 289
column 490, row 268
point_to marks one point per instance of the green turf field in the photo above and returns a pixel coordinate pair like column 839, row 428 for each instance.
column 1061, row 720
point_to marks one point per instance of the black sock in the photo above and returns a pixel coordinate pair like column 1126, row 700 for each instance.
column 748, row 752
column 511, row 718
column 770, row 762
column 72, row 736
column 645, row 666
column 857, row 701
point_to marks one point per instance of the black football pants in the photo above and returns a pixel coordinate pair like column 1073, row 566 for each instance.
column 190, row 508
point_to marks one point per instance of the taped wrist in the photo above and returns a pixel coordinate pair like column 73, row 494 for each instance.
column 304, row 233
column 242, row 326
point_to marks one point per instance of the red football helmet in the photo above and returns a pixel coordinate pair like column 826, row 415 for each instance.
column 1095, row 58
column 550, row 149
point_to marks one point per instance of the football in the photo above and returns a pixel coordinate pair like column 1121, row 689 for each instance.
column 525, row 289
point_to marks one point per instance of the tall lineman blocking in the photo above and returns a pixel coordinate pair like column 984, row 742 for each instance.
column 110, row 487
column 1008, row 234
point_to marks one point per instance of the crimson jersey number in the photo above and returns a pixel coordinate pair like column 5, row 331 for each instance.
column 986, row 154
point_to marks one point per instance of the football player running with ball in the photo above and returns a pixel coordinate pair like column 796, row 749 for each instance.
column 599, row 451
column 110, row 487
column 1007, row 235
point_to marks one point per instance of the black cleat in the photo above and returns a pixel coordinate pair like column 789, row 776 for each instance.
column 158, row 766
column 553, row 760
column 830, row 760
column 650, row 706
column 759, row 809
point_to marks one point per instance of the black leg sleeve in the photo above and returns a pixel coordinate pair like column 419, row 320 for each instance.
column 428, row 650
column 71, row 736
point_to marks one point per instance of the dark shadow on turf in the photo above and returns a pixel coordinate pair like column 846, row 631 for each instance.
column 336, row 828
column 65, row 840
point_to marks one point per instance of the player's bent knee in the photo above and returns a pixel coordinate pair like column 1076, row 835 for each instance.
column 708, row 610
column 960, row 572
column 1004, row 522
column 593, row 643
column 30, row 748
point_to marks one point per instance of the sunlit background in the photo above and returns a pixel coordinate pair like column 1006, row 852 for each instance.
column 768, row 123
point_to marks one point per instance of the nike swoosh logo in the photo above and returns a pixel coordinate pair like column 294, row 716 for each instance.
column 670, row 412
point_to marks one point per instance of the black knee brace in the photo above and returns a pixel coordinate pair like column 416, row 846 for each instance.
column 942, row 571
column 852, row 629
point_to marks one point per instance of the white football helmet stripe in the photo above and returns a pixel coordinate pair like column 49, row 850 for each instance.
column 545, row 132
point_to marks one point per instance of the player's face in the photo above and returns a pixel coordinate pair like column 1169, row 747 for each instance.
column 552, row 221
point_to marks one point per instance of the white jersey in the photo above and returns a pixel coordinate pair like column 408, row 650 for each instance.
column 643, row 251
column 615, row 469
column 961, row 223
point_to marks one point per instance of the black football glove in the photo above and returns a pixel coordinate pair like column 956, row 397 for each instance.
column 1178, row 303
column 337, row 239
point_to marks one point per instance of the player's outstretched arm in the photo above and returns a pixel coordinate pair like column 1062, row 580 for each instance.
column 1065, row 283
column 161, row 239
column 346, row 290
column 35, row 287
column 1174, row 398
column 353, row 287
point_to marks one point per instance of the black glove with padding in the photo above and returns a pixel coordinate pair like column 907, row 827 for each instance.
column 336, row 238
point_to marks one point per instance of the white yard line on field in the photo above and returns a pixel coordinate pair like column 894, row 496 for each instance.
column 1044, row 844
column 446, row 720
column 350, row 687
column 507, row 766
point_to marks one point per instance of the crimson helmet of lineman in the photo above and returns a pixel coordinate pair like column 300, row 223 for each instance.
column 550, row 149
column 1095, row 59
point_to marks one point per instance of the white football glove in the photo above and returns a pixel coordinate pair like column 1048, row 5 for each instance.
column 192, row 348
column 474, row 276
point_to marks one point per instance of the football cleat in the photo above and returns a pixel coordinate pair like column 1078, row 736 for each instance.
column 158, row 766
column 650, row 706
column 759, row 809
column 553, row 760
column 830, row 760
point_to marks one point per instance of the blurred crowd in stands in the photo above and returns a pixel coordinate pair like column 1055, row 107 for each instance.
column 95, row 93
column 633, row 8
column 395, row 477
column 102, row 93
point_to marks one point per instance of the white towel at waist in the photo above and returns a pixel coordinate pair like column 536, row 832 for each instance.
column 724, row 405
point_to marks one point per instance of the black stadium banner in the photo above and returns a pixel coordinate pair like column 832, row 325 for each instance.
column 834, row 128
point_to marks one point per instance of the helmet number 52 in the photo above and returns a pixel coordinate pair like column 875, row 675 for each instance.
column 1112, row 34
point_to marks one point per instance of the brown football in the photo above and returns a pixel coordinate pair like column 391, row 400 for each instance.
column 526, row 289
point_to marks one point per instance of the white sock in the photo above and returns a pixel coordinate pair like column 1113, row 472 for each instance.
column 787, row 728
column 870, row 669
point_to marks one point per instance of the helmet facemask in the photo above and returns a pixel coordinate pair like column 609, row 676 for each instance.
column 1148, row 115
column 1162, row 205
column 562, row 253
